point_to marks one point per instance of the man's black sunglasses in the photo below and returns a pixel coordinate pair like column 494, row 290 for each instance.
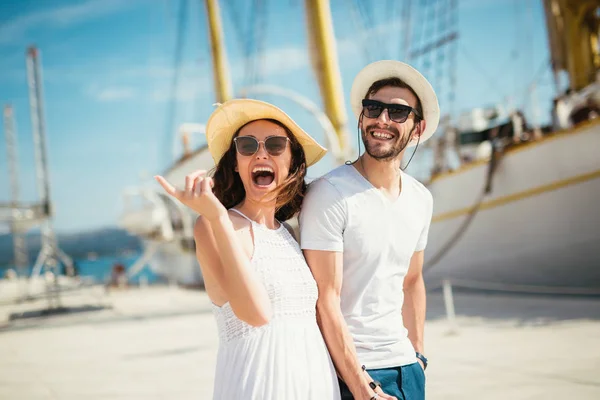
column 397, row 112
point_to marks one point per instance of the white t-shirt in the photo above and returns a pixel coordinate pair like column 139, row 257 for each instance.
column 344, row 212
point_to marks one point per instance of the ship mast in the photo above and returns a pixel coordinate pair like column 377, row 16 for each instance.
column 573, row 35
column 324, row 58
column 219, row 57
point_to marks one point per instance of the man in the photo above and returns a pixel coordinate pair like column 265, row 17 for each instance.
column 363, row 231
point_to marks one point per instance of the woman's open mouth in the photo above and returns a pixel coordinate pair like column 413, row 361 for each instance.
column 263, row 176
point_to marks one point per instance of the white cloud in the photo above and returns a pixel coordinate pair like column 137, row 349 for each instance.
column 115, row 93
column 191, row 85
column 183, row 93
column 282, row 60
column 60, row 17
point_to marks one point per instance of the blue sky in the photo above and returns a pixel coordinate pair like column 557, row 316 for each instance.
column 108, row 68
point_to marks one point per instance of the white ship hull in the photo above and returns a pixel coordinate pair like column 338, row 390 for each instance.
column 540, row 225
column 166, row 226
column 175, row 265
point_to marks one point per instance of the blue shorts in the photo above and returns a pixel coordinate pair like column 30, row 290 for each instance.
column 406, row 383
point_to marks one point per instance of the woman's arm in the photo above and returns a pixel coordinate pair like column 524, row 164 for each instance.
column 222, row 257
column 220, row 252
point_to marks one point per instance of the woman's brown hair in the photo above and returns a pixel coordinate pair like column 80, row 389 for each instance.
column 229, row 189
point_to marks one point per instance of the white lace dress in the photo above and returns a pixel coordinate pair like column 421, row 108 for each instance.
column 286, row 358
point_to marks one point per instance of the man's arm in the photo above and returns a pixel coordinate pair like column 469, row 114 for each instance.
column 414, row 307
column 322, row 223
column 326, row 267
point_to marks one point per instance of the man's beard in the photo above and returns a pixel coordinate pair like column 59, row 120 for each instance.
column 385, row 153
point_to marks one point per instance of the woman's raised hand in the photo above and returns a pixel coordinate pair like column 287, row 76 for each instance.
column 197, row 195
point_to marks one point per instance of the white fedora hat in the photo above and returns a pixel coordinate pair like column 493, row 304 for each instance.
column 230, row 116
column 395, row 69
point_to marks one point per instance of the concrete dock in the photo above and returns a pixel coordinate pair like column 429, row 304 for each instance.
column 161, row 343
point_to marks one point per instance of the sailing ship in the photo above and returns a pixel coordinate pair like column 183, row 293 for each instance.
column 519, row 210
column 523, row 214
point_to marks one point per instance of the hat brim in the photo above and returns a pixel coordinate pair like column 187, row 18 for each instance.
column 234, row 114
column 395, row 69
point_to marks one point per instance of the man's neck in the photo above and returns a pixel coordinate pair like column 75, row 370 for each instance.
column 384, row 175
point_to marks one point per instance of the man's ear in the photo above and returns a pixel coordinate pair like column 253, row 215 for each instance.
column 418, row 129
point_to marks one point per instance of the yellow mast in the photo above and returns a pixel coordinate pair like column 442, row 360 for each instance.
column 325, row 64
column 573, row 35
column 219, row 56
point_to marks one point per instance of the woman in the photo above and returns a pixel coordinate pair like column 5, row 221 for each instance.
column 262, row 291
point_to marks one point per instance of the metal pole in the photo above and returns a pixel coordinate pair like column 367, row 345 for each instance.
column 48, row 253
column 34, row 78
column 19, row 242
column 449, row 304
column 46, row 256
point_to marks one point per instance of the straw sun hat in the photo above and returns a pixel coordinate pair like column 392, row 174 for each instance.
column 395, row 69
column 230, row 116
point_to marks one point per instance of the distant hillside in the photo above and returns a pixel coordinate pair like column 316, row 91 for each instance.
column 104, row 242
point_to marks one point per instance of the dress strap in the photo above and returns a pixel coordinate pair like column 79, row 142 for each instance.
column 254, row 223
column 241, row 213
column 253, row 230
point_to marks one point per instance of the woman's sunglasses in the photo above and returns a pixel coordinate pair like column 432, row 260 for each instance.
column 397, row 112
column 248, row 145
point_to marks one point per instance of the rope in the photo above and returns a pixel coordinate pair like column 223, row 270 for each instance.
column 390, row 9
column 245, row 37
column 261, row 24
column 251, row 44
column 172, row 108
column 477, row 66
column 203, row 59
column 467, row 222
column 237, row 24
column 453, row 16
column 539, row 74
column 358, row 22
column 405, row 44
column 457, row 235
